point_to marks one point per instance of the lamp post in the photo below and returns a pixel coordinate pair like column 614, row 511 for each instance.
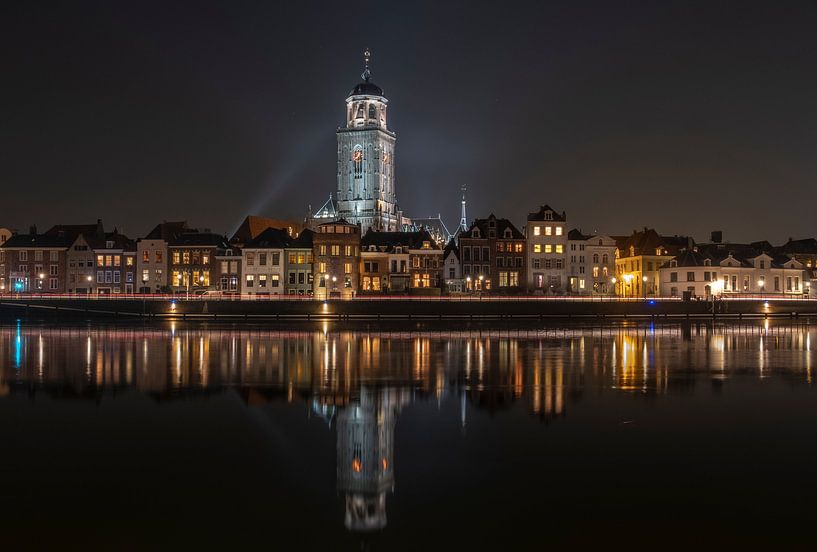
column 761, row 284
column 90, row 279
column 613, row 282
column 40, row 285
column 468, row 284
column 481, row 280
column 644, row 285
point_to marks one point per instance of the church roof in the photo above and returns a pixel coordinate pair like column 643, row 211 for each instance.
column 327, row 210
column 366, row 88
column 435, row 226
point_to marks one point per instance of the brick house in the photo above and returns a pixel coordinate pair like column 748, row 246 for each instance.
column 336, row 264
column 492, row 255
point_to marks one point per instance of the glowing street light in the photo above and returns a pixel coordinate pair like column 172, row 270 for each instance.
column 627, row 279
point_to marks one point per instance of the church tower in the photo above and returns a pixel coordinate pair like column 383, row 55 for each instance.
column 366, row 193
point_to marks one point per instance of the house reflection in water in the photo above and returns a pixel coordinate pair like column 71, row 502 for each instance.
column 359, row 381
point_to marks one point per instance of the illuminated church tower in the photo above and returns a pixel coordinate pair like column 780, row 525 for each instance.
column 366, row 193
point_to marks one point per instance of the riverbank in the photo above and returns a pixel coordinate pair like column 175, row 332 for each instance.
column 400, row 309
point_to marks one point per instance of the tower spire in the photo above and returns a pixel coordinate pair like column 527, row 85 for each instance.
column 463, row 219
column 367, row 55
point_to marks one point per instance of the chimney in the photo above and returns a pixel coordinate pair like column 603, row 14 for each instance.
column 716, row 236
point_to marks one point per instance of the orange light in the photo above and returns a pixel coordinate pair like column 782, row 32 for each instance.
column 356, row 466
column 385, row 464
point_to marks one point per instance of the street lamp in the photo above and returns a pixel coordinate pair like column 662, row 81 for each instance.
column 468, row 283
column 644, row 285
column 761, row 284
column 40, row 283
column 613, row 282
column 90, row 279
column 481, row 279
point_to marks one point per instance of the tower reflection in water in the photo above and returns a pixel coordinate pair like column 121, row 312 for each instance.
column 365, row 460
column 361, row 381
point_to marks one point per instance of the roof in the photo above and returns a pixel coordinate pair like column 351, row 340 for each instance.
column 338, row 222
column 690, row 257
column 576, row 234
column 327, row 210
column 389, row 240
column 451, row 247
column 435, row 226
column 804, row 246
column 204, row 239
column 303, row 241
column 25, row 241
column 167, row 230
column 119, row 241
column 501, row 225
column 271, row 238
column 366, row 88
column 647, row 241
column 253, row 226
column 540, row 214
column 71, row 231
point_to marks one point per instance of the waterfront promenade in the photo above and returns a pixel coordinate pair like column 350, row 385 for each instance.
column 399, row 307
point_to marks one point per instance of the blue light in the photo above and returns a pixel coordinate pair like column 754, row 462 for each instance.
column 18, row 286
column 651, row 302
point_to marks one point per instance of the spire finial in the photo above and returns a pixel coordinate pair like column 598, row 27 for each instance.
column 367, row 55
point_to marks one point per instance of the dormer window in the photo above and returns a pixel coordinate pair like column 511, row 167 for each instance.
column 507, row 233
column 548, row 215
column 673, row 263
column 426, row 245
column 632, row 251
column 707, row 262
column 475, row 233
column 108, row 245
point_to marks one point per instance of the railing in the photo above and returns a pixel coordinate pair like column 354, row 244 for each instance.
column 476, row 297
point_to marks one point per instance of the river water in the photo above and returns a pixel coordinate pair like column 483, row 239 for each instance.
column 335, row 437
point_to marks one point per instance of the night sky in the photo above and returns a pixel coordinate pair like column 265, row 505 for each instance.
column 685, row 116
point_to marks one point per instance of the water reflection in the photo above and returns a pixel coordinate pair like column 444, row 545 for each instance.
column 359, row 382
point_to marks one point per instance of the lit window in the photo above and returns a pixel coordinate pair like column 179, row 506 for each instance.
column 560, row 248
column 548, row 248
column 537, row 248
column 537, row 230
column 548, row 230
column 558, row 230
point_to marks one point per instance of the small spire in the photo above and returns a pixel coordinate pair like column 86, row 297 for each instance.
column 366, row 73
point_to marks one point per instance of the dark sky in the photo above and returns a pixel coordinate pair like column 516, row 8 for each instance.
column 687, row 116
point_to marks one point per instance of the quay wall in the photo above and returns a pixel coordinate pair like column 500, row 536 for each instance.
column 385, row 309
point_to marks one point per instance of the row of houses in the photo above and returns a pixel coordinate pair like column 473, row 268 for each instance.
column 338, row 259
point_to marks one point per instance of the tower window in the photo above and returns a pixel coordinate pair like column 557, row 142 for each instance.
column 372, row 111
column 357, row 158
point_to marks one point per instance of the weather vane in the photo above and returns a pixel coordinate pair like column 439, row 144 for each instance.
column 366, row 57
